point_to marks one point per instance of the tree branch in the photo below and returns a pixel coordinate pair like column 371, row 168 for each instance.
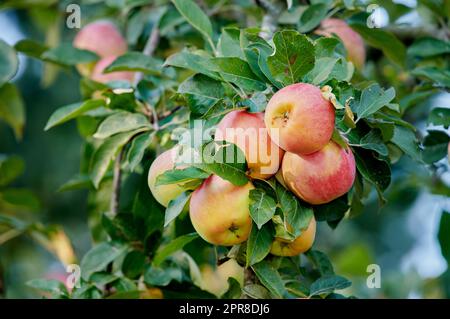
column 269, row 22
column 149, row 49
column 117, row 179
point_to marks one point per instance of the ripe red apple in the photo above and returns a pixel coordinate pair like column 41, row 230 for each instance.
column 163, row 193
column 101, row 37
column 99, row 76
column 249, row 133
column 320, row 177
column 219, row 211
column 352, row 41
column 283, row 247
column 299, row 119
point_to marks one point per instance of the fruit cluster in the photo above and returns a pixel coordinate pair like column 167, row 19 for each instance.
column 293, row 139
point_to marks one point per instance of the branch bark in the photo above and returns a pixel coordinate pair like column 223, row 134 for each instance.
column 269, row 22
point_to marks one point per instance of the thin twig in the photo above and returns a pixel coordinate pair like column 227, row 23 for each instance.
column 149, row 49
column 117, row 180
column 269, row 22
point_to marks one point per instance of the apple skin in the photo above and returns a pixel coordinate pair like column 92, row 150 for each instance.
column 282, row 247
column 352, row 41
column 320, row 177
column 163, row 193
column 219, row 211
column 101, row 37
column 216, row 281
column 299, row 119
column 251, row 136
column 102, row 64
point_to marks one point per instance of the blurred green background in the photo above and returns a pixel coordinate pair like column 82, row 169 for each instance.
column 401, row 237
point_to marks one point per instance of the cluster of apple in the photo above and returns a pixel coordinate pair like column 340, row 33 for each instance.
column 103, row 38
column 296, row 144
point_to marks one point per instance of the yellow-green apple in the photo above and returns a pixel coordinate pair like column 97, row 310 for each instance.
column 101, row 37
column 249, row 133
column 163, row 193
column 219, row 211
column 320, row 177
column 102, row 64
column 283, row 247
column 352, row 41
column 299, row 119
column 216, row 281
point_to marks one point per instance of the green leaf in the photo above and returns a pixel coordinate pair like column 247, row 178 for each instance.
column 121, row 122
column 31, row 48
column 163, row 252
column 234, row 291
column 237, row 71
column 226, row 161
column 375, row 171
column 176, row 207
column 332, row 211
column 384, row 41
column 66, row 54
column 407, row 141
column 136, row 61
column 180, row 176
column 21, row 199
column 440, row 76
column 53, row 286
column 12, row 109
column 270, row 278
column 320, row 262
column 435, row 146
column 293, row 57
column 229, row 44
column 439, row 116
column 133, row 264
column 374, row 141
column 312, row 17
column 259, row 243
column 9, row 62
column 106, row 152
column 198, row 61
column 321, row 71
column 427, row 47
column 71, row 111
column 195, row 16
column 99, row 257
column 444, row 235
column 137, row 149
column 262, row 207
column 296, row 214
column 201, row 93
column 328, row 284
column 372, row 99
column 10, row 168
column 256, row 291
column 80, row 181
column 156, row 276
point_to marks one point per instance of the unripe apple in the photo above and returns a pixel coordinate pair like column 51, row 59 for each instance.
column 216, row 281
column 99, row 76
column 320, row 177
column 101, row 37
column 283, row 247
column 163, row 193
column 352, row 41
column 249, row 133
column 299, row 119
column 219, row 211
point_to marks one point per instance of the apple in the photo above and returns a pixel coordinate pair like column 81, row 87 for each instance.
column 299, row 119
column 249, row 133
column 163, row 193
column 216, row 281
column 283, row 247
column 320, row 177
column 101, row 37
column 351, row 40
column 219, row 211
column 99, row 76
